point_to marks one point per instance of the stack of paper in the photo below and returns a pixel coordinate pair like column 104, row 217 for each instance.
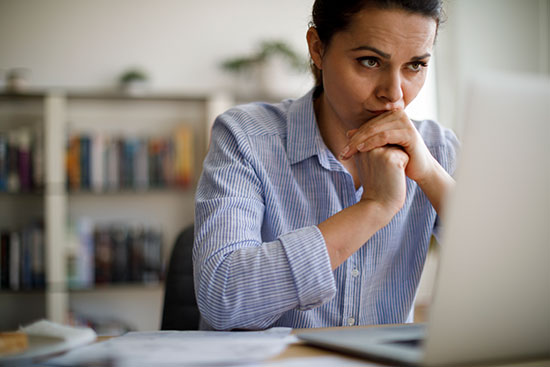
column 46, row 338
column 180, row 348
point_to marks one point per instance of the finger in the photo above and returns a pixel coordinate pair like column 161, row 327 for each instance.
column 351, row 132
column 373, row 127
column 398, row 137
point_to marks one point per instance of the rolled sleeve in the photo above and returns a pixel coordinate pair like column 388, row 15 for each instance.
column 310, row 266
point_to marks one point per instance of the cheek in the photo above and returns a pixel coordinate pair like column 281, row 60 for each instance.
column 412, row 87
column 351, row 87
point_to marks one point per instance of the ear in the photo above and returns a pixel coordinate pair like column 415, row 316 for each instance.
column 316, row 47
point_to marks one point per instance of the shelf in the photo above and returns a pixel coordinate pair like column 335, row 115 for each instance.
column 20, row 194
column 29, row 95
column 120, row 287
column 150, row 191
column 58, row 114
column 106, row 95
column 13, row 292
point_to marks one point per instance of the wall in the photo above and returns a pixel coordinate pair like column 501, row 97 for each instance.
column 86, row 44
column 483, row 35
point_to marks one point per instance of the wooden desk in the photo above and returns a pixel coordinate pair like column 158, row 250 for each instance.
column 302, row 350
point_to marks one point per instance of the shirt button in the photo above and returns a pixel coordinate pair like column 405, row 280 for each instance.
column 355, row 273
column 351, row 321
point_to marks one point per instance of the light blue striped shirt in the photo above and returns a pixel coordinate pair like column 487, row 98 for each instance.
column 259, row 258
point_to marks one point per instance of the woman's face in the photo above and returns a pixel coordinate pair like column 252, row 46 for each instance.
column 378, row 64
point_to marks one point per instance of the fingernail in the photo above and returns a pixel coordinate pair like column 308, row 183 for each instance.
column 348, row 133
column 360, row 146
column 344, row 152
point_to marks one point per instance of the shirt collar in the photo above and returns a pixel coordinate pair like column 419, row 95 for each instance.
column 303, row 136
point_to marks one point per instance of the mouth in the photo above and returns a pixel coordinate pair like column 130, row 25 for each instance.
column 377, row 112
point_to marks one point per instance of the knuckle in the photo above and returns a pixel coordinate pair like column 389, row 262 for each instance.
column 384, row 135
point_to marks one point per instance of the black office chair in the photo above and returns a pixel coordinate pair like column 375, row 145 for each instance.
column 180, row 311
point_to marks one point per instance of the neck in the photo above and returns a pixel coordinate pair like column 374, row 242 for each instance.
column 331, row 128
column 333, row 132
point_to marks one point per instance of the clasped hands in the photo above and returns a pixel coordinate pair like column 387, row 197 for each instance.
column 387, row 149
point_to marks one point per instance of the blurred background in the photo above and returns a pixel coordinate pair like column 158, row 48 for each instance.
column 105, row 109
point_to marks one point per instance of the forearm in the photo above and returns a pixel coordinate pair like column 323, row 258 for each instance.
column 250, row 287
column 437, row 186
column 348, row 230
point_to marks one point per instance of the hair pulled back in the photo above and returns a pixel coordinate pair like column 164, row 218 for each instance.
column 332, row 16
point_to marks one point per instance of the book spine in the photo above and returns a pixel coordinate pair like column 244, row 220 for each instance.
column 85, row 254
column 3, row 162
column 24, row 159
column 26, row 260
column 85, row 182
column 98, row 163
column 73, row 163
column 102, row 256
column 37, row 151
column 120, row 253
column 141, row 167
column 13, row 183
column 4, row 260
column 112, row 164
column 15, row 260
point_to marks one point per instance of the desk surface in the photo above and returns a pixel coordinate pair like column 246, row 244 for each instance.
column 302, row 350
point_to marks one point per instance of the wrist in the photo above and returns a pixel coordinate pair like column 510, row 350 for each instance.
column 430, row 174
column 380, row 212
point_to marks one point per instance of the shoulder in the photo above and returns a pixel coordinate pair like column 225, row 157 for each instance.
column 441, row 141
column 256, row 119
column 434, row 134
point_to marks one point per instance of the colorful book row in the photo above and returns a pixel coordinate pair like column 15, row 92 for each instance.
column 99, row 163
column 22, row 258
column 21, row 160
column 115, row 253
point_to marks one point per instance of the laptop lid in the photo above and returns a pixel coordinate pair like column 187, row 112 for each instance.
column 492, row 294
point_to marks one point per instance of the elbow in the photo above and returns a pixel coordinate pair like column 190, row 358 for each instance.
column 221, row 314
column 223, row 311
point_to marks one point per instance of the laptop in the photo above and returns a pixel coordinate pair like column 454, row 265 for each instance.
column 491, row 300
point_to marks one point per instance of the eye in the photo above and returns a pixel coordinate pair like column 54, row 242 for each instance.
column 369, row 62
column 417, row 66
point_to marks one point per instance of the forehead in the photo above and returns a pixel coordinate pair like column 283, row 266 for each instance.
column 389, row 29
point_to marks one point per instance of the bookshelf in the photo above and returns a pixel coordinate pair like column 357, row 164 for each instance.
column 62, row 206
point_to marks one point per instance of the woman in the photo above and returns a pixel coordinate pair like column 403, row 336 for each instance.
column 318, row 212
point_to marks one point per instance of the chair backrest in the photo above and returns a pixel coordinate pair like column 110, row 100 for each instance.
column 180, row 311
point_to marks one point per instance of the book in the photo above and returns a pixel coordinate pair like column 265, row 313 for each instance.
column 73, row 163
column 4, row 259
column 38, row 159
column 15, row 260
column 24, row 168
column 100, row 162
column 98, row 158
column 13, row 183
column 3, row 162
column 102, row 257
column 85, row 162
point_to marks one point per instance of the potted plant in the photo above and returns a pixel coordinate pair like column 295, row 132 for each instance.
column 266, row 72
column 134, row 81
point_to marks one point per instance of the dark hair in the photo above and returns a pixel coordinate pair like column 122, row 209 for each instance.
column 332, row 16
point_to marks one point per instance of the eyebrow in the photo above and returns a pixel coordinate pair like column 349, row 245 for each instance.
column 386, row 55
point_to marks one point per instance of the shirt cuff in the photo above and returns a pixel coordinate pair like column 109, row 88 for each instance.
column 310, row 266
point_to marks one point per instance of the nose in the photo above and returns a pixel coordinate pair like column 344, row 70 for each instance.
column 390, row 91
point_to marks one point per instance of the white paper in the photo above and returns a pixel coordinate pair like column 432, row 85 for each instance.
column 181, row 348
column 46, row 338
